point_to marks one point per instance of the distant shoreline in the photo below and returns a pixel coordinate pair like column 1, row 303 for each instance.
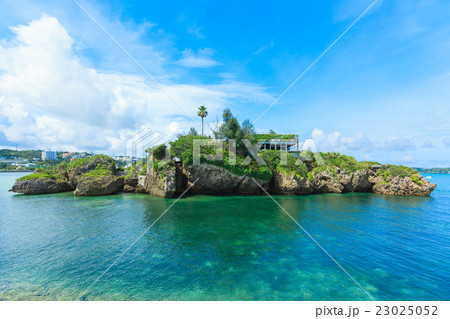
column 17, row 171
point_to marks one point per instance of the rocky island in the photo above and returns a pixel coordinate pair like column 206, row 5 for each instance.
column 304, row 174
column 236, row 161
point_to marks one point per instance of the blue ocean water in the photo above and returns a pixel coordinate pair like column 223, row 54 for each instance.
column 53, row 247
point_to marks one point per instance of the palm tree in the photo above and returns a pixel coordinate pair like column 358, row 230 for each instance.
column 202, row 112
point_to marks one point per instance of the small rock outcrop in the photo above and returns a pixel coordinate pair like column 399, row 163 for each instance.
column 99, row 185
column 131, row 185
column 41, row 186
column 129, row 188
column 87, row 176
column 402, row 186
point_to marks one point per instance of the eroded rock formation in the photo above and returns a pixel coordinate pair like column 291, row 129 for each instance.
column 41, row 186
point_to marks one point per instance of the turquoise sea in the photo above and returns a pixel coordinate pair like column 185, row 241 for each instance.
column 53, row 247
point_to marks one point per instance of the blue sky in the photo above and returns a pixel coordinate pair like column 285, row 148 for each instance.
column 381, row 93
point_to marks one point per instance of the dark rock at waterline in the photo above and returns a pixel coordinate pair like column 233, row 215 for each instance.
column 290, row 184
column 129, row 188
column 133, row 189
column 211, row 179
column 99, row 185
column 41, row 186
column 357, row 181
column 131, row 182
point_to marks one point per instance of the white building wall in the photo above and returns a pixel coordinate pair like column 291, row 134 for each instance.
column 49, row 155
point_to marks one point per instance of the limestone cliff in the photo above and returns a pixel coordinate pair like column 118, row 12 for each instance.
column 290, row 184
column 402, row 186
column 41, row 186
column 87, row 176
column 161, row 182
column 97, row 176
column 212, row 179
column 95, row 186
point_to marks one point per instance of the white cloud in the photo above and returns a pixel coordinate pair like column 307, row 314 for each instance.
column 200, row 59
column 174, row 129
column 50, row 98
column 397, row 144
column 359, row 142
column 406, row 159
column 326, row 142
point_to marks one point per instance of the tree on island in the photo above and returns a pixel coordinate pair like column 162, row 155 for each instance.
column 232, row 130
column 192, row 132
column 202, row 112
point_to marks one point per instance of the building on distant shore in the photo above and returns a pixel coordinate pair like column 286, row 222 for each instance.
column 48, row 155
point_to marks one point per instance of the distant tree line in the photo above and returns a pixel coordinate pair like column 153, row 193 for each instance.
column 436, row 170
column 29, row 154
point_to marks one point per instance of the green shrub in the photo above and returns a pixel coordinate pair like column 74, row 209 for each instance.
column 334, row 160
column 131, row 171
column 183, row 148
column 416, row 179
column 143, row 170
column 320, row 169
column 53, row 174
column 158, row 151
column 345, row 162
column 270, row 136
column 252, row 169
column 100, row 170
column 80, row 161
column 273, row 160
column 395, row 170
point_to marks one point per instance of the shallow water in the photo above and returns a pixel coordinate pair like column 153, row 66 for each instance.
column 53, row 247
